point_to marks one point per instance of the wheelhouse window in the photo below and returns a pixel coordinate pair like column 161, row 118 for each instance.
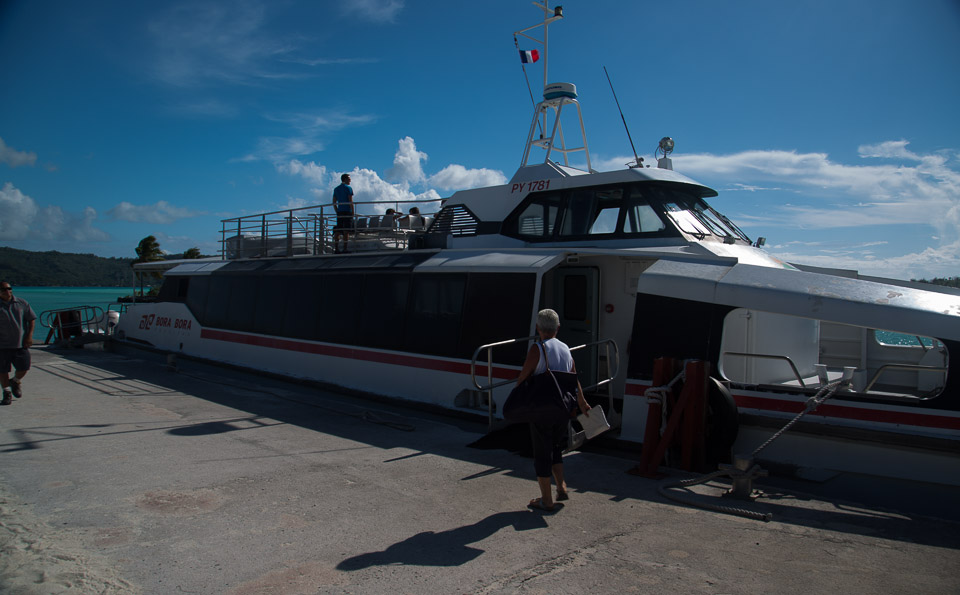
column 539, row 218
column 619, row 211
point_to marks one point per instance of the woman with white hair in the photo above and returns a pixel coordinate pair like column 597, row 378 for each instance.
column 548, row 438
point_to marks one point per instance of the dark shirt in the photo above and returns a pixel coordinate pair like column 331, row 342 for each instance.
column 15, row 315
column 342, row 198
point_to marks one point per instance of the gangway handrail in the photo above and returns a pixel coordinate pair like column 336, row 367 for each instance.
column 793, row 366
column 87, row 323
column 915, row 367
column 491, row 385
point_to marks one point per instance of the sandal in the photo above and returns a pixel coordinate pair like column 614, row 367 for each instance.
column 561, row 496
column 537, row 504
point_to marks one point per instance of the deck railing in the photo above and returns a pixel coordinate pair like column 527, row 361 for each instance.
column 309, row 230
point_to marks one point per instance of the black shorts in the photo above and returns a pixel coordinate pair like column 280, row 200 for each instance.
column 19, row 358
column 344, row 222
column 549, row 440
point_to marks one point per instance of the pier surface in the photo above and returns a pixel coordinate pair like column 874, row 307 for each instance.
column 118, row 475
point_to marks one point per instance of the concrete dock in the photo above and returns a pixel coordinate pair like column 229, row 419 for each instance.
column 119, row 475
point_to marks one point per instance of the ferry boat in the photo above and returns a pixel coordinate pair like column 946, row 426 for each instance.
column 438, row 309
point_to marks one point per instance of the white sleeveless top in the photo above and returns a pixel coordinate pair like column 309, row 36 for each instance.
column 558, row 354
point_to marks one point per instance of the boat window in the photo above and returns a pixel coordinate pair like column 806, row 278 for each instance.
column 575, row 297
column 592, row 211
column 539, row 218
column 270, row 303
column 215, row 314
column 727, row 223
column 715, row 226
column 795, row 353
column 497, row 306
column 433, row 323
column 891, row 338
column 301, row 308
column 641, row 218
column 685, row 220
column 197, row 295
column 337, row 307
column 384, row 296
column 577, row 217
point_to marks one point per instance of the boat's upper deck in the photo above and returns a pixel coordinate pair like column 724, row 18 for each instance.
column 544, row 205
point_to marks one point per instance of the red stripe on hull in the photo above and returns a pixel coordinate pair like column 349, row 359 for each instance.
column 905, row 418
column 353, row 353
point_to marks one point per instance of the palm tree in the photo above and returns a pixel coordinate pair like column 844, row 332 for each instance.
column 148, row 250
column 192, row 253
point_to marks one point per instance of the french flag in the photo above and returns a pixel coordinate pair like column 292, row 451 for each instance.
column 528, row 56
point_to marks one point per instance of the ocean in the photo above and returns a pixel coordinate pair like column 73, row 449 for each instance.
column 53, row 298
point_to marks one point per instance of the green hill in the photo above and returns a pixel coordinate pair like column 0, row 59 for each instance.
column 53, row 269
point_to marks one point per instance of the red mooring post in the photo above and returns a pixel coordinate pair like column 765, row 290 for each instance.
column 687, row 414
column 664, row 369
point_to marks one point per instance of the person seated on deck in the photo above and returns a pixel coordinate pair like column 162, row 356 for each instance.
column 389, row 220
column 413, row 221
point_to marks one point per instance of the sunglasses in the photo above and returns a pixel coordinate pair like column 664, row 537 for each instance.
column 6, row 289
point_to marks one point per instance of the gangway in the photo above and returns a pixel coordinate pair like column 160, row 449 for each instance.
column 79, row 325
column 612, row 355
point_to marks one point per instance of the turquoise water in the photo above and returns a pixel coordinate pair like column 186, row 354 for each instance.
column 53, row 298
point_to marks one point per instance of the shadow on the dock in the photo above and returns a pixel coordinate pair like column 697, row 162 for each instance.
column 446, row 548
column 387, row 425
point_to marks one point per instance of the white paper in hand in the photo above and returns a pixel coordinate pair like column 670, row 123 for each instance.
column 593, row 424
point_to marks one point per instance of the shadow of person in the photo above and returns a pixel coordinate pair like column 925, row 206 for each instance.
column 446, row 548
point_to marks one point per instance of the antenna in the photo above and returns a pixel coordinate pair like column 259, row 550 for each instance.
column 549, row 16
column 638, row 160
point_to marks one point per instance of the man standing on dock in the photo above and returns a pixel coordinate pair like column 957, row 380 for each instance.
column 17, row 321
column 343, row 203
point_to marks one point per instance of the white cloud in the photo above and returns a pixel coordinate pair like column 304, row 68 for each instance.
column 22, row 219
column 161, row 212
column 206, row 42
column 407, row 171
column 368, row 186
column 893, row 187
column 925, row 191
column 407, row 163
column 15, row 158
column 457, row 177
column 378, row 11
column 939, row 261
column 306, row 138
column 313, row 173
column 891, row 149
column 17, row 212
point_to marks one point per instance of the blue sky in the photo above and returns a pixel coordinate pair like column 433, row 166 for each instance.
column 829, row 127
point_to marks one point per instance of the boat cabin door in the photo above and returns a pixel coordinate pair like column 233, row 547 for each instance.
column 576, row 292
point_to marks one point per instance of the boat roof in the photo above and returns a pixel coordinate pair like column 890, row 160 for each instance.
column 807, row 294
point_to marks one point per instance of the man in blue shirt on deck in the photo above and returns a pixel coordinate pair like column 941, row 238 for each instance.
column 17, row 322
column 343, row 201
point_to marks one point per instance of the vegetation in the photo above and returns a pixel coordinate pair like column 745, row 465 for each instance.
column 60, row 269
column 148, row 250
column 945, row 281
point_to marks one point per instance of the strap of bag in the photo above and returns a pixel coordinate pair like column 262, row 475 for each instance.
column 546, row 363
column 543, row 351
